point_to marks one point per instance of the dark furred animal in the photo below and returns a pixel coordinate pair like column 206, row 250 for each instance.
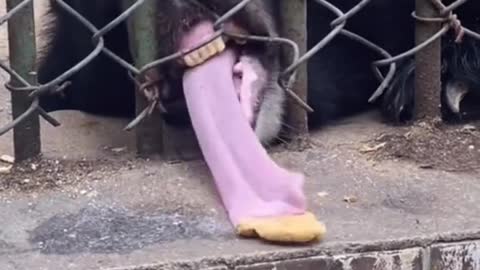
column 340, row 76
column 103, row 87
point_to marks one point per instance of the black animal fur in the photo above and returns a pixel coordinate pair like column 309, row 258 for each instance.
column 103, row 87
column 340, row 76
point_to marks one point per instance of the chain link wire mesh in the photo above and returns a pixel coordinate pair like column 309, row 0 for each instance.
column 446, row 17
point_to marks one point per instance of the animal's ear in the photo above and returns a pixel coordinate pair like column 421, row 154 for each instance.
column 262, row 18
column 170, row 26
column 257, row 16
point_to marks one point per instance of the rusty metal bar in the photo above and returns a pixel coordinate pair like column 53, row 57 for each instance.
column 22, row 50
column 143, row 45
column 294, row 27
column 428, row 63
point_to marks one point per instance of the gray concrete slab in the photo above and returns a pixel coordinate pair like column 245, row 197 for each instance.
column 125, row 212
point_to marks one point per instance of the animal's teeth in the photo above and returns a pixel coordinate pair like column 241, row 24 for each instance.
column 189, row 60
column 219, row 45
column 210, row 50
column 197, row 58
column 204, row 53
column 240, row 41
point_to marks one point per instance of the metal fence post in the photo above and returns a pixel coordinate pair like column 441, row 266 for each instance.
column 294, row 27
column 141, row 26
column 428, row 64
column 22, row 49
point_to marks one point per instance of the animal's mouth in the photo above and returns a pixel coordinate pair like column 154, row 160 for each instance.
column 247, row 72
column 462, row 98
column 249, row 182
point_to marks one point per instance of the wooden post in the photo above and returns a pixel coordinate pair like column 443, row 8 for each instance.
column 22, row 49
column 428, row 64
column 154, row 136
column 294, row 27
column 143, row 45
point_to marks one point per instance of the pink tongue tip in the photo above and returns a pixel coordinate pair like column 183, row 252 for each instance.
column 249, row 182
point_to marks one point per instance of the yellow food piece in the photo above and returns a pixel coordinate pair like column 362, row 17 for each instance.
column 286, row 229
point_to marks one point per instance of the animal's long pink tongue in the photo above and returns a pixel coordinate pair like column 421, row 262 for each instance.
column 249, row 182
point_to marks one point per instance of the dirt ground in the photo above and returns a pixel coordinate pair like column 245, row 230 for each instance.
column 44, row 174
column 453, row 148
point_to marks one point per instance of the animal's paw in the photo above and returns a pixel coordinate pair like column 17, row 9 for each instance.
column 161, row 97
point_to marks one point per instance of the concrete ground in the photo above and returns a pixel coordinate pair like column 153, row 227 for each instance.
column 119, row 212
column 125, row 213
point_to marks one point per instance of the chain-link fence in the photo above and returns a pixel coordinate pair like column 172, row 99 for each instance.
column 433, row 22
